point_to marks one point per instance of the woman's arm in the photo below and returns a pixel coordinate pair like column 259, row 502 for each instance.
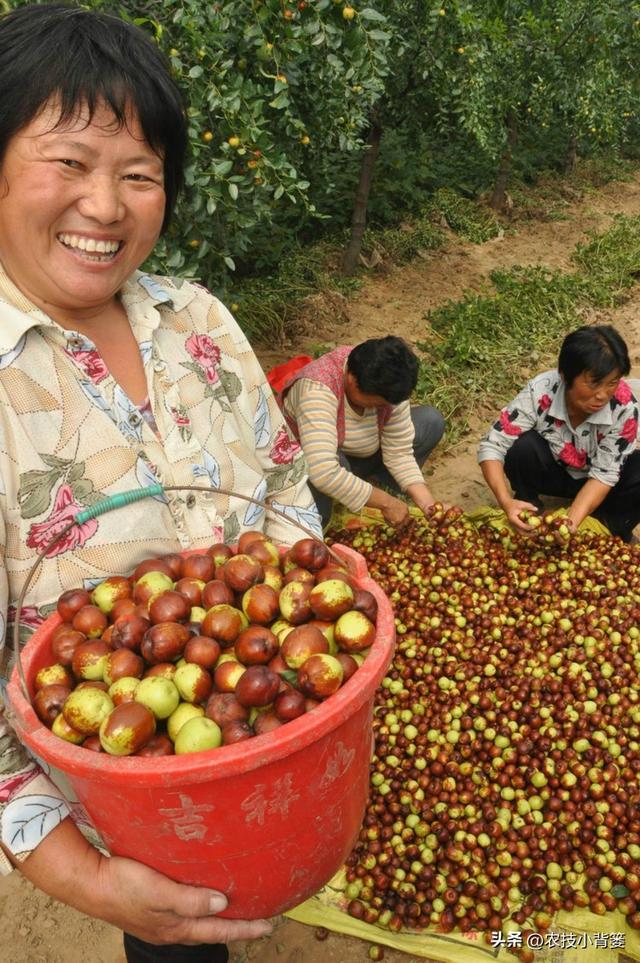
column 590, row 497
column 394, row 511
column 129, row 894
column 421, row 496
column 396, row 444
column 315, row 410
column 316, row 417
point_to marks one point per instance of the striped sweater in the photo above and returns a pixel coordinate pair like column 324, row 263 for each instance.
column 313, row 408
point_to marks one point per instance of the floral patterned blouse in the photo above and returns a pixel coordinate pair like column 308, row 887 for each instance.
column 69, row 436
column 597, row 448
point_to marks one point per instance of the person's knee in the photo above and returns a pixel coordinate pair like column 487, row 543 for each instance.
column 429, row 426
column 437, row 424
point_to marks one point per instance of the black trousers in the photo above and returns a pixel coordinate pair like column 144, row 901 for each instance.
column 533, row 471
column 137, row 951
column 429, row 427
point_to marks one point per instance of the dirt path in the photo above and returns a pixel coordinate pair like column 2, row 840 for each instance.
column 35, row 929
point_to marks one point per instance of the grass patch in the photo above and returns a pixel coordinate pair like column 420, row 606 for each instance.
column 485, row 346
column 266, row 307
column 402, row 244
column 466, row 218
column 549, row 198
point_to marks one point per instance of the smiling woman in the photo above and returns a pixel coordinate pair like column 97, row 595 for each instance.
column 83, row 205
column 111, row 379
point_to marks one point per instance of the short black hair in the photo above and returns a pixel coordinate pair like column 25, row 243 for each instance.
column 386, row 367
column 82, row 57
column 597, row 350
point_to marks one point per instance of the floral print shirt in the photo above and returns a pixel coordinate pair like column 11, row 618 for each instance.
column 597, row 448
column 69, row 436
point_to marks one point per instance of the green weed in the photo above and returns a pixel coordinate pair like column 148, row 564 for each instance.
column 402, row 244
column 266, row 307
column 552, row 193
column 466, row 218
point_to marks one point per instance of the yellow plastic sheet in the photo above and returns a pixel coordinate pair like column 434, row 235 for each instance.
column 576, row 937
column 497, row 519
column 485, row 515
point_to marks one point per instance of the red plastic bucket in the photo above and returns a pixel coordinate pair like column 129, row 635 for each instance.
column 268, row 822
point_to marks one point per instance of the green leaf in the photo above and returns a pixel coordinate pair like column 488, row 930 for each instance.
column 30, row 480
column 298, row 470
column 290, row 676
column 92, row 498
column 175, row 259
column 197, row 370
column 233, row 191
column 196, row 72
column 620, row 891
column 36, row 503
column 231, row 530
column 279, row 191
column 231, row 384
column 211, row 205
column 54, row 462
column 75, row 472
column 370, row 14
column 282, row 100
column 231, row 264
column 81, row 489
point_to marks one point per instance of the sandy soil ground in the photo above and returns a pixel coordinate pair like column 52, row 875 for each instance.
column 35, row 929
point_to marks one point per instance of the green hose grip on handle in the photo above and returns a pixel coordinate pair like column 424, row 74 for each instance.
column 118, row 501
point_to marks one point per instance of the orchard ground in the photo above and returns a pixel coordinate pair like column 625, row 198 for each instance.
column 36, row 929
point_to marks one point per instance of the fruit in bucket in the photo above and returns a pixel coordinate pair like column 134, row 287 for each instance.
column 198, row 735
column 259, row 655
column 331, row 598
column 127, row 729
column 301, row 643
column 86, row 709
column 158, row 694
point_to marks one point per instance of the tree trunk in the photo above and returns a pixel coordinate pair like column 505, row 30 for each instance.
column 359, row 218
column 499, row 198
column 571, row 154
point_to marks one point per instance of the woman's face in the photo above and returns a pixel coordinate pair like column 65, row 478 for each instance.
column 361, row 399
column 81, row 207
column 586, row 395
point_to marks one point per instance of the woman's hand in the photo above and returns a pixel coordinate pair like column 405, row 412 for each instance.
column 564, row 528
column 129, row 894
column 513, row 509
column 154, row 908
column 422, row 498
column 395, row 512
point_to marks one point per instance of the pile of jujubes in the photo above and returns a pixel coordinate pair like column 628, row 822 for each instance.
column 195, row 651
column 505, row 781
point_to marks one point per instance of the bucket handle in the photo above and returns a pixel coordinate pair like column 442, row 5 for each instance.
column 118, row 501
